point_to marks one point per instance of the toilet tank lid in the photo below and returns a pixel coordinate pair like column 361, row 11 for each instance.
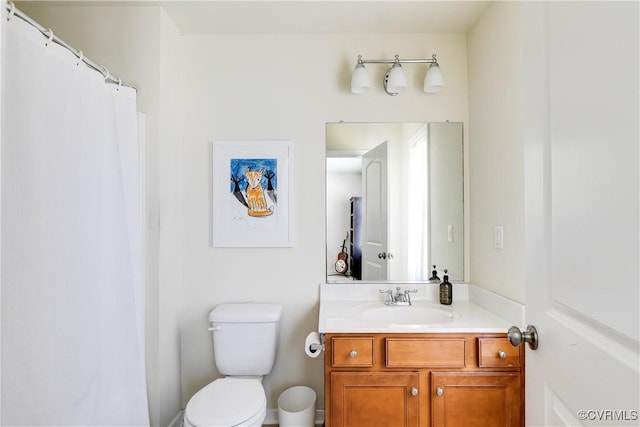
column 246, row 312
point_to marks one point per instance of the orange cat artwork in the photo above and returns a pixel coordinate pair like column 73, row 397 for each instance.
column 256, row 201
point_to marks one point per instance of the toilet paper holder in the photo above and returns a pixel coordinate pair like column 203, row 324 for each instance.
column 316, row 346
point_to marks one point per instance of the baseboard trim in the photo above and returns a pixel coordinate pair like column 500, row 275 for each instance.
column 177, row 420
column 272, row 417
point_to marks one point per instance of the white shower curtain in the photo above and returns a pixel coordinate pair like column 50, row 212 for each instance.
column 72, row 321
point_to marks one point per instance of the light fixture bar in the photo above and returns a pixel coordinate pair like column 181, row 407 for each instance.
column 402, row 61
column 395, row 80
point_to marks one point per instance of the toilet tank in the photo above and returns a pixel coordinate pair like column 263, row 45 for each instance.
column 245, row 338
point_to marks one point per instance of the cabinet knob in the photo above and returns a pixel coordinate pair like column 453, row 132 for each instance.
column 414, row 391
column 353, row 354
column 502, row 354
column 439, row 391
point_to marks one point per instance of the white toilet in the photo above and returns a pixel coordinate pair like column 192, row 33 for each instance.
column 245, row 343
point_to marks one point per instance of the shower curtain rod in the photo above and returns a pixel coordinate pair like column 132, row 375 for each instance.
column 47, row 32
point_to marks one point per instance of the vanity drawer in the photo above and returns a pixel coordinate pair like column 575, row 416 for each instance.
column 436, row 353
column 352, row 352
column 497, row 353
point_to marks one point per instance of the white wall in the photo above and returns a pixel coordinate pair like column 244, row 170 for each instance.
column 284, row 86
column 141, row 45
column 169, row 224
column 496, row 153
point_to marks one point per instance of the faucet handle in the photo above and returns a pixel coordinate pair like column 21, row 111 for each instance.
column 407, row 295
column 389, row 293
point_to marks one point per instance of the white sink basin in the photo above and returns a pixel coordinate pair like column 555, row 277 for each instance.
column 419, row 313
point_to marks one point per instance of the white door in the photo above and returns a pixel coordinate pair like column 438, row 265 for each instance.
column 375, row 254
column 582, row 213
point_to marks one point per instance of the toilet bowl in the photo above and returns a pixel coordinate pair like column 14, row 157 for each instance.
column 227, row 402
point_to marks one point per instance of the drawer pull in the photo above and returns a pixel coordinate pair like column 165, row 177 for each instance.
column 439, row 391
column 502, row 354
column 414, row 391
column 353, row 354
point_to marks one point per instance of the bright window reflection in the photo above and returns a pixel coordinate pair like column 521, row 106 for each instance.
column 418, row 207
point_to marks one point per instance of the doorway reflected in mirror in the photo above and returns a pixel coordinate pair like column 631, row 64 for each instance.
column 407, row 179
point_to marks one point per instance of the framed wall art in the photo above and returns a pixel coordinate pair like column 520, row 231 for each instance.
column 252, row 193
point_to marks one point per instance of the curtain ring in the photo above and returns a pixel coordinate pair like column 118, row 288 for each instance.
column 119, row 83
column 12, row 11
column 106, row 75
column 80, row 58
column 50, row 37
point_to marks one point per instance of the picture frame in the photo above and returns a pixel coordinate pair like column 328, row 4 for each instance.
column 252, row 193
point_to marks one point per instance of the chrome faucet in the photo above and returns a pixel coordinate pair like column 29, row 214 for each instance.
column 399, row 298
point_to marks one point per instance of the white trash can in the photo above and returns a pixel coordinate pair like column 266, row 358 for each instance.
column 297, row 407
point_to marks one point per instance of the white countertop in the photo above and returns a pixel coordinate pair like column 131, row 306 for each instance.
column 342, row 306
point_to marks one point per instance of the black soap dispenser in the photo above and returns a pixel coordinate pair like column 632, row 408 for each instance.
column 446, row 290
column 434, row 276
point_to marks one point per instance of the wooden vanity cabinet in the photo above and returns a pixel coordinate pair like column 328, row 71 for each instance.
column 423, row 380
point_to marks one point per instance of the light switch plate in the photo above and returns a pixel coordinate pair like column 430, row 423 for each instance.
column 498, row 237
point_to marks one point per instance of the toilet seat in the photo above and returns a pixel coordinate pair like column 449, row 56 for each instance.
column 227, row 402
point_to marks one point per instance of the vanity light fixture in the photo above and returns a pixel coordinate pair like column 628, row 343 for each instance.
column 395, row 80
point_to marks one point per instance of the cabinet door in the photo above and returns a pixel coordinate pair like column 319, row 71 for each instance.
column 476, row 399
column 374, row 399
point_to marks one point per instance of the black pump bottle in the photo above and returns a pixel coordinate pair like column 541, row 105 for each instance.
column 446, row 290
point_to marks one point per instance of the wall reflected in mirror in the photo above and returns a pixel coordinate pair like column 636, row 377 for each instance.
column 394, row 201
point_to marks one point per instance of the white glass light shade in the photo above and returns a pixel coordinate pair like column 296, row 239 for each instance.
column 433, row 80
column 396, row 80
column 360, row 81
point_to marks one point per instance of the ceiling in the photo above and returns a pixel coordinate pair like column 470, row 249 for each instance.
column 327, row 16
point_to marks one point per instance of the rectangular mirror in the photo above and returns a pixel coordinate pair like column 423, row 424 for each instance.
column 394, row 201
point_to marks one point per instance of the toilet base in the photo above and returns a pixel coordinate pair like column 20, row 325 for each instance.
column 255, row 421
